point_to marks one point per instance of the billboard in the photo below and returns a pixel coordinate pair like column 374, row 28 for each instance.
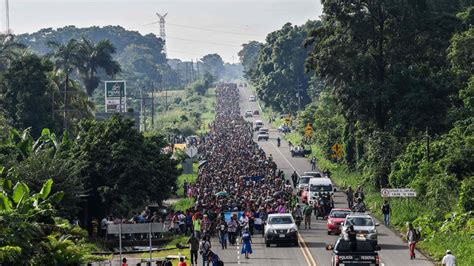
column 115, row 93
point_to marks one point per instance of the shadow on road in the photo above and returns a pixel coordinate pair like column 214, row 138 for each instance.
column 315, row 244
column 393, row 247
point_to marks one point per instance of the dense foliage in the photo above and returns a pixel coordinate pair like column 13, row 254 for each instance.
column 278, row 72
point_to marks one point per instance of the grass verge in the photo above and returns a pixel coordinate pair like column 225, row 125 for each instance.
column 172, row 250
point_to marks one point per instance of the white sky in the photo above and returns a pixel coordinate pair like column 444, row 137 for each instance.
column 253, row 18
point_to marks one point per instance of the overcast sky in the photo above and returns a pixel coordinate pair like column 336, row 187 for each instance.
column 232, row 22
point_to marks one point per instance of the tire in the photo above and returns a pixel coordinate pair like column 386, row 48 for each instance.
column 329, row 232
column 267, row 244
column 296, row 243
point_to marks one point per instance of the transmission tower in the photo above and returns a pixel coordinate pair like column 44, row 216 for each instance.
column 162, row 29
column 7, row 18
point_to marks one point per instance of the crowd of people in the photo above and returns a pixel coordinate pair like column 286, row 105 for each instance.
column 238, row 184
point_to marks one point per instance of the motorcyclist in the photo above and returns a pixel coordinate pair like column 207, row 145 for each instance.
column 359, row 206
column 278, row 141
column 298, row 214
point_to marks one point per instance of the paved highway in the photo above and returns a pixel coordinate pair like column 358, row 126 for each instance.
column 312, row 245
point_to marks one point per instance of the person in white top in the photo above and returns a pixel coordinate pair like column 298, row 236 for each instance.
column 449, row 259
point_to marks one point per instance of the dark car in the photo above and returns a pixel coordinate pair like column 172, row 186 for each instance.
column 360, row 252
column 299, row 151
column 284, row 129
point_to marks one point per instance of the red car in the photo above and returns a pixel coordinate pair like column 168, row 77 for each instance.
column 336, row 217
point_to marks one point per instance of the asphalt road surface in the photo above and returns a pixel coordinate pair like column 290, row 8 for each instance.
column 311, row 250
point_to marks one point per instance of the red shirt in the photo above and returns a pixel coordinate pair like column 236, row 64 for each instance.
column 182, row 263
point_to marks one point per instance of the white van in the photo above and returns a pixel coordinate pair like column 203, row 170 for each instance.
column 316, row 185
column 257, row 124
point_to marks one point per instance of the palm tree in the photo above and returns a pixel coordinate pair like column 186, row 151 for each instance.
column 66, row 57
column 9, row 50
column 93, row 57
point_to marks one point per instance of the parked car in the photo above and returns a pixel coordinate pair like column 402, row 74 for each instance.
column 284, row 129
column 248, row 113
column 336, row 217
column 359, row 253
column 252, row 98
column 299, row 151
column 313, row 174
column 280, row 228
column 263, row 130
column 363, row 224
column 263, row 136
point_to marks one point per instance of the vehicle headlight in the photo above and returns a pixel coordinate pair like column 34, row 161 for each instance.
column 330, row 222
column 274, row 231
column 373, row 231
column 292, row 230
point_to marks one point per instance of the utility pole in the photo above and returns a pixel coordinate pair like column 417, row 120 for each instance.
column 197, row 66
column 141, row 107
column 153, row 105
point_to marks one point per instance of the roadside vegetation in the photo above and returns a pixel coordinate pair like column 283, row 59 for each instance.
column 399, row 104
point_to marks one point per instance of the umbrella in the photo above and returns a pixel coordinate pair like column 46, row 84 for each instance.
column 201, row 163
column 279, row 193
column 222, row 194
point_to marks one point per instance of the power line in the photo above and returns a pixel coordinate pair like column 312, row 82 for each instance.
column 206, row 29
column 193, row 40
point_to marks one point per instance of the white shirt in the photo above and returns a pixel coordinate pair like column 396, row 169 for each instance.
column 449, row 260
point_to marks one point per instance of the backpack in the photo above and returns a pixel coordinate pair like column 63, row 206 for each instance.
column 416, row 235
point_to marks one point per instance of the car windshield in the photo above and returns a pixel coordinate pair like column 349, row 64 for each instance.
column 359, row 221
column 344, row 246
column 339, row 214
column 280, row 220
column 320, row 188
column 304, row 180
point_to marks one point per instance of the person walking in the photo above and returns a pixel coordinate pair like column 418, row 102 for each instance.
column 307, row 211
column 350, row 197
column 232, row 226
column 449, row 259
column 246, row 242
column 193, row 249
column 386, row 213
column 294, row 178
column 412, row 237
column 124, row 262
column 313, row 163
column 181, row 262
column 204, row 248
column 197, row 226
column 222, row 229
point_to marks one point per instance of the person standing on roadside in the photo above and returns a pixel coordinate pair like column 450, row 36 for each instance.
column 350, row 197
column 412, row 238
column 313, row 163
column 386, row 213
column 193, row 248
column 360, row 193
column 449, row 259
column 124, row 262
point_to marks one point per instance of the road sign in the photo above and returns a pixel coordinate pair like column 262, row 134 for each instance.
column 398, row 192
column 115, row 93
column 337, row 150
column 308, row 131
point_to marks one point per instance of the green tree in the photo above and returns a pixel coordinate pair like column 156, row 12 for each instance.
column 26, row 93
column 213, row 64
column 248, row 57
column 10, row 50
column 94, row 57
column 124, row 170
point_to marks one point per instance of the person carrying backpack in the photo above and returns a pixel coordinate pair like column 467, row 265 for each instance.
column 307, row 211
column 413, row 236
column 204, row 248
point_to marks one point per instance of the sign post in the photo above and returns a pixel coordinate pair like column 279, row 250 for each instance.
column 308, row 131
column 337, row 151
column 398, row 193
column 115, row 96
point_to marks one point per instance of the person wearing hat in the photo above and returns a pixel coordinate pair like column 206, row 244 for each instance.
column 449, row 259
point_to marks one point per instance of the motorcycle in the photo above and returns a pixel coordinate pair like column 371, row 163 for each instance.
column 298, row 220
